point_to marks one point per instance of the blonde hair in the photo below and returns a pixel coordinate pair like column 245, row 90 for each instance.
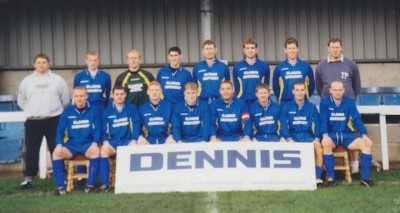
column 262, row 86
column 80, row 88
column 153, row 83
column 190, row 85
column 93, row 53
column 134, row 51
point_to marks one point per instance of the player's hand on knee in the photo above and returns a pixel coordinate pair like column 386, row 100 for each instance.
column 367, row 140
column 142, row 141
column 170, row 140
column 214, row 139
column 132, row 143
column 106, row 147
column 94, row 149
column 317, row 143
column 326, row 140
column 245, row 139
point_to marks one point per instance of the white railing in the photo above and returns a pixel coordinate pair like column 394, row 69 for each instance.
column 20, row 117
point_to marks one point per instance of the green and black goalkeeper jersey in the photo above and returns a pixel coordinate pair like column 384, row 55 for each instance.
column 136, row 84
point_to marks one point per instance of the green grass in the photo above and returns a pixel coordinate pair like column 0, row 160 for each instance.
column 385, row 197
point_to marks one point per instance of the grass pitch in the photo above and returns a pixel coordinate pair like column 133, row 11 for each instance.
column 385, row 197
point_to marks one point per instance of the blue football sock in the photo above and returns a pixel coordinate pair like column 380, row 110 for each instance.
column 366, row 160
column 58, row 173
column 93, row 171
column 105, row 171
column 329, row 162
column 318, row 172
column 81, row 169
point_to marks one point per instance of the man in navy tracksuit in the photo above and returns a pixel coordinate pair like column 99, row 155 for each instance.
column 173, row 77
column 264, row 115
column 290, row 71
column 121, row 127
column 191, row 118
column 155, row 116
column 96, row 81
column 299, row 121
column 209, row 73
column 83, row 124
column 249, row 72
column 336, row 111
column 230, row 119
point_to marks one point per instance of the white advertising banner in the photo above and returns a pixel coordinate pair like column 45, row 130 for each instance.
column 215, row 167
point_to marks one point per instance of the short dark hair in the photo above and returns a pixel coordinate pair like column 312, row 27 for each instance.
column 42, row 55
column 174, row 49
column 209, row 42
column 335, row 40
column 249, row 41
column 119, row 87
column 298, row 83
column 291, row 40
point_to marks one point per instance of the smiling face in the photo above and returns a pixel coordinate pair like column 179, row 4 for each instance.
column 250, row 51
column 174, row 59
column 226, row 90
column 119, row 96
column 154, row 92
column 337, row 90
column 263, row 96
column 209, row 51
column 80, row 97
column 191, row 96
column 299, row 92
column 291, row 51
column 41, row 65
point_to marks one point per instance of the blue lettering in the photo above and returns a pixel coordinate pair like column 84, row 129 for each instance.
column 265, row 161
column 186, row 160
column 216, row 162
column 156, row 160
column 249, row 162
column 174, row 159
column 294, row 162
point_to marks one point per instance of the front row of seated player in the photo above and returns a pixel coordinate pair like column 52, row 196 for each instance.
column 226, row 119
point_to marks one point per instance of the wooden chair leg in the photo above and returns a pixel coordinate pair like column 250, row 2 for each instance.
column 347, row 173
column 112, row 172
column 70, row 180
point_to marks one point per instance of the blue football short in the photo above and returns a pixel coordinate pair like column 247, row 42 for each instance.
column 303, row 137
column 230, row 138
column 77, row 148
column 119, row 143
column 153, row 140
column 267, row 137
column 343, row 139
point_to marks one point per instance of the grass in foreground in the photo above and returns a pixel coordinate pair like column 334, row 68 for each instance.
column 385, row 197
